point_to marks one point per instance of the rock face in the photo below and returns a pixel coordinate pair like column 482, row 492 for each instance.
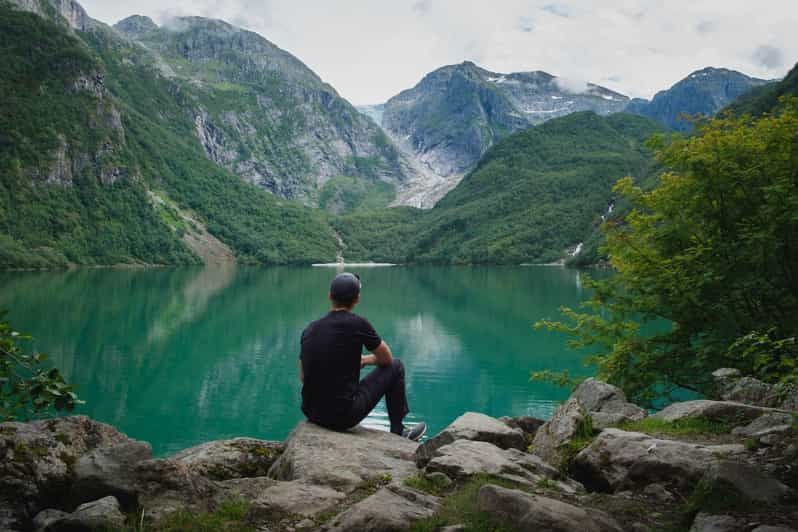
column 606, row 404
column 705, row 92
column 294, row 497
column 392, row 508
column 37, row 460
column 724, row 411
column 464, row 458
column 566, row 424
column 476, row 427
column 744, row 481
column 99, row 515
column 617, row 460
column 343, row 460
column 527, row 512
column 273, row 122
column 226, row 459
column 704, row 522
column 772, row 423
column 109, row 470
column 731, row 387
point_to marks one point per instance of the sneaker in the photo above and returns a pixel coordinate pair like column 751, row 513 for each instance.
column 415, row 432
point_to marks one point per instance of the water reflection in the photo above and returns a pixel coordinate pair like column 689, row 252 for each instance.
column 178, row 356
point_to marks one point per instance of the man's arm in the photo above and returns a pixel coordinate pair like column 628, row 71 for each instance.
column 381, row 356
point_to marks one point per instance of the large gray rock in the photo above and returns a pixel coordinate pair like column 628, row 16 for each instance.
column 47, row 518
column 465, row 458
column 723, row 411
column 246, row 489
column 745, row 481
column 295, row 497
column 166, row 486
column 528, row 424
column 606, row 404
column 704, row 522
column 392, row 508
column 343, row 460
column 618, row 460
column 476, row 427
column 37, row 461
column 567, row 423
column 527, row 512
column 226, row 459
column 774, row 422
column 772, row 528
column 109, row 471
column 100, row 515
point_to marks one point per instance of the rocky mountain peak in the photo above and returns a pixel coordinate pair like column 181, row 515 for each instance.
column 135, row 26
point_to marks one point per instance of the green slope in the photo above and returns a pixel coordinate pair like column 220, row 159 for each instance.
column 761, row 100
column 534, row 194
column 86, row 132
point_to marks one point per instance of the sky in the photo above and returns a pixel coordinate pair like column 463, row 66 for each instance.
column 370, row 50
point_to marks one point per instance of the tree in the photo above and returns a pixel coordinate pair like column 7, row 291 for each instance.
column 706, row 261
column 27, row 387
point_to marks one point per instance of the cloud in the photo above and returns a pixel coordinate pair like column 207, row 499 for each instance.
column 768, row 56
column 370, row 51
column 572, row 85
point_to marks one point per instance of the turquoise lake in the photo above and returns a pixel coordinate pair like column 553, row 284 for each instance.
column 181, row 356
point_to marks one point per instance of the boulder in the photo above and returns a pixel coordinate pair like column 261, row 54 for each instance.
column 109, row 470
column 343, row 460
column 772, row 528
column 722, row 411
column 37, row 461
column 392, row 508
column 618, row 460
column 46, row 518
column 750, row 391
column 100, row 515
column 166, row 486
column 774, row 422
column 295, row 497
column 726, row 479
column 247, row 489
column 464, row 458
column 226, row 459
column 606, row 404
column 527, row 512
column 568, row 422
column 704, row 522
column 528, row 424
column 476, row 427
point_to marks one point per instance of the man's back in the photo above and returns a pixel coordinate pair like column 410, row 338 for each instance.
column 331, row 355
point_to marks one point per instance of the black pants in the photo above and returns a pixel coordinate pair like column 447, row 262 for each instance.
column 389, row 382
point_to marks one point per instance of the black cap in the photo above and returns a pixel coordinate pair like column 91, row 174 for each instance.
column 345, row 287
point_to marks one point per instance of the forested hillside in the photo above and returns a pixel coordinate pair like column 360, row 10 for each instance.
column 533, row 196
column 764, row 99
column 91, row 135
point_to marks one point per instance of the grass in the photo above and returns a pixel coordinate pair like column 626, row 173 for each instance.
column 229, row 517
column 585, row 432
column 461, row 508
column 421, row 483
column 681, row 427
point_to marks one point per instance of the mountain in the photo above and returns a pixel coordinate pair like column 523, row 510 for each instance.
column 703, row 92
column 454, row 114
column 533, row 197
column 262, row 114
column 100, row 162
column 765, row 98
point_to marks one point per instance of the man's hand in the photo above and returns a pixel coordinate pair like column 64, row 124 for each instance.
column 368, row 360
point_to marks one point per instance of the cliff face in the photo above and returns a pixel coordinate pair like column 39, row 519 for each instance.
column 703, row 92
column 262, row 114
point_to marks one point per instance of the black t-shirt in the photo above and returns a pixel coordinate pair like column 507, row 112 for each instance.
column 330, row 354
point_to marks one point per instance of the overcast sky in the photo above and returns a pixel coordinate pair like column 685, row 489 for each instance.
column 369, row 50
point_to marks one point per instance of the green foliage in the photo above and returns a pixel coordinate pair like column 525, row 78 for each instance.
column 28, row 387
column 433, row 487
column 345, row 194
column 711, row 251
column 228, row 517
column 694, row 425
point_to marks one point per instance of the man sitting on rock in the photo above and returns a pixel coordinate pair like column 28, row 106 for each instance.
column 333, row 395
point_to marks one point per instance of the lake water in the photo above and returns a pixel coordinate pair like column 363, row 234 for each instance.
column 181, row 356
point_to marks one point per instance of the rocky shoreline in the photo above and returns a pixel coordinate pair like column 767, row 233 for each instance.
column 599, row 464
